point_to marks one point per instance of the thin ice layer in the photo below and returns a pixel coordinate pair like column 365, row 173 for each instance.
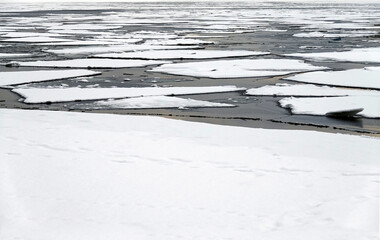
column 40, row 95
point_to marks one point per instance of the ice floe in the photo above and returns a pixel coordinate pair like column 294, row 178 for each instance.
column 335, row 35
column 111, row 49
column 237, row 68
column 182, row 54
column 67, row 175
column 307, row 90
column 14, row 55
column 91, row 63
column 354, row 55
column 368, row 77
column 178, row 41
column 36, row 39
column 20, row 77
column 321, row 106
column 41, row 95
column 156, row 102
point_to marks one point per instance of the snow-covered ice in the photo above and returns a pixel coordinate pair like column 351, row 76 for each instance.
column 20, row 77
column 335, row 35
column 96, row 176
column 40, row 95
column 368, row 77
column 91, row 62
column 307, row 90
column 354, row 55
column 36, row 39
column 14, row 55
column 156, row 102
column 112, row 49
column 184, row 54
column 321, row 106
column 237, row 68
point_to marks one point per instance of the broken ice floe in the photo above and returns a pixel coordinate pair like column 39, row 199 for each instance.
column 237, row 68
column 182, row 54
column 111, row 49
column 354, row 55
column 91, row 63
column 322, row 106
column 36, row 40
column 41, row 95
column 368, row 77
column 306, row 90
column 156, row 102
column 335, row 35
column 14, row 55
column 14, row 78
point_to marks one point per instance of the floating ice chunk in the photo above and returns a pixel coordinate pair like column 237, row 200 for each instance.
column 354, row 55
column 182, row 54
column 84, row 27
column 237, row 68
column 179, row 41
column 306, row 90
column 156, row 102
column 36, row 39
column 14, row 78
column 40, row 95
column 335, row 35
column 116, row 48
column 368, row 77
column 321, row 106
column 107, row 176
column 14, row 55
column 79, row 43
column 30, row 34
column 91, row 63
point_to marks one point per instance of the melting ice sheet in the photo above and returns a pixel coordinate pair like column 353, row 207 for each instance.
column 14, row 78
column 321, row 106
column 354, row 55
column 237, row 68
column 184, row 54
column 96, row 176
column 307, row 90
column 368, row 77
column 156, row 102
column 40, row 95
column 91, row 62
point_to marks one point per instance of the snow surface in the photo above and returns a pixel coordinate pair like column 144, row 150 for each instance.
column 354, row 55
column 40, row 95
column 237, row 68
column 14, row 55
column 14, row 78
column 184, row 54
column 111, row 49
column 91, row 62
column 307, row 90
column 368, row 77
column 321, row 106
column 157, row 102
column 96, row 176
column 36, row 39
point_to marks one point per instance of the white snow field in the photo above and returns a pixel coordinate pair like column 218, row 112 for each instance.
column 96, row 176
column 306, row 90
column 184, row 54
column 354, row 55
column 321, row 106
column 156, row 102
column 368, row 77
column 40, row 95
column 237, row 68
column 92, row 62
column 14, row 78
